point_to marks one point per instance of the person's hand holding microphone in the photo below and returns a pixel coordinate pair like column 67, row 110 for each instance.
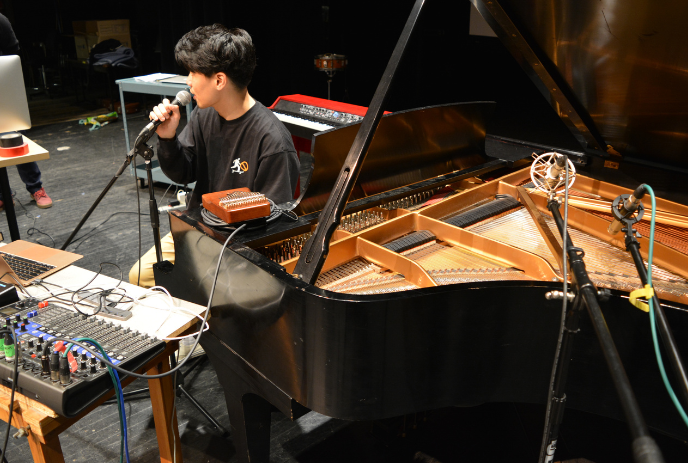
column 165, row 117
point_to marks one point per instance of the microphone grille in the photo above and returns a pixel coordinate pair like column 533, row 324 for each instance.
column 184, row 98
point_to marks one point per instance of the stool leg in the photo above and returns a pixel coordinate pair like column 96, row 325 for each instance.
column 166, row 428
column 49, row 451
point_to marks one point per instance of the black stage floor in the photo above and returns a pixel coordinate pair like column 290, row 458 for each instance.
column 81, row 164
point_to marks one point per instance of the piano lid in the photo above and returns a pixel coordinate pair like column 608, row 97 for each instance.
column 408, row 147
column 615, row 72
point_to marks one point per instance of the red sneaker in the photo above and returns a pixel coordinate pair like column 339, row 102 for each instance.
column 42, row 199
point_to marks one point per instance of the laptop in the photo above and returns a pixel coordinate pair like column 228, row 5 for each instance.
column 13, row 104
column 27, row 261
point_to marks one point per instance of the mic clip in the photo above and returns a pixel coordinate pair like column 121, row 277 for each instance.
column 629, row 218
column 145, row 151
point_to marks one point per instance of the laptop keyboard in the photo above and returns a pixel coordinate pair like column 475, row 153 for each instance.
column 26, row 269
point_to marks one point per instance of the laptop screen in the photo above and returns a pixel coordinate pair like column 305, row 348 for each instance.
column 14, row 109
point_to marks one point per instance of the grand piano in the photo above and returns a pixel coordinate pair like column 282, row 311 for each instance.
column 436, row 261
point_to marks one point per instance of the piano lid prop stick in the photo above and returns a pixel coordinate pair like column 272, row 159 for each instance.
column 317, row 247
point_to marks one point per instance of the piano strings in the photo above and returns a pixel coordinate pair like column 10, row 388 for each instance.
column 359, row 276
column 290, row 248
column 608, row 266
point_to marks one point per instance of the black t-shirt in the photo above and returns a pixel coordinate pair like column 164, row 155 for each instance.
column 254, row 151
column 9, row 45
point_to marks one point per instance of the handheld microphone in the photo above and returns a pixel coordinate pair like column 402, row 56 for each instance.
column 628, row 207
column 183, row 98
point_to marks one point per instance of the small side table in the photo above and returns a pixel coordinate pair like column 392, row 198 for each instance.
column 36, row 153
column 151, row 88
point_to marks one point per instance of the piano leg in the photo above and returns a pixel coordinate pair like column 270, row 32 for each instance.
column 249, row 416
column 250, row 399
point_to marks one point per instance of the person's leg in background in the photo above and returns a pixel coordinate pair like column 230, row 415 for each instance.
column 147, row 279
column 31, row 176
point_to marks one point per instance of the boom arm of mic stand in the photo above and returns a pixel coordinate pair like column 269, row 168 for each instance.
column 644, row 447
column 127, row 161
column 668, row 340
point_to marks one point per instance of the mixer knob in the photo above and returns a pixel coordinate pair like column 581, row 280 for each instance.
column 23, row 327
column 84, row 365
column 94, row 369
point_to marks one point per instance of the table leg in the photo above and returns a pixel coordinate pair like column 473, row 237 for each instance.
column 9, row 204
column 124, row 117
column 162, row 398
column 48, row 452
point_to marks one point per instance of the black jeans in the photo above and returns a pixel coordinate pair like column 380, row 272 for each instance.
column 31, row 176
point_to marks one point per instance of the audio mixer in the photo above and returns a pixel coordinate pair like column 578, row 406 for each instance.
column 37, row 323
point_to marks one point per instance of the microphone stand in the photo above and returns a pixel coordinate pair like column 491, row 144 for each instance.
column 146, row 152
column 633, row 246
column 645, row 448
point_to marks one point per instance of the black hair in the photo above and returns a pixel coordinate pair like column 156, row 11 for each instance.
column 212, row 49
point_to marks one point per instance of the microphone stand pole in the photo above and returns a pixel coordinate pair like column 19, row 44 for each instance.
column 146, row 152
column 633, row 246
column 644, row 446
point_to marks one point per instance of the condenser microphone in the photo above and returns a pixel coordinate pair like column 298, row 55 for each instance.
column 554, row 172
column 628, row 207
column 183, row 98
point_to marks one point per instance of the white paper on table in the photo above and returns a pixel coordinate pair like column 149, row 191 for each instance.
column 154, row 77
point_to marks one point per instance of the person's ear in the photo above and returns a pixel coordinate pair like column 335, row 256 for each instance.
column 221, row 80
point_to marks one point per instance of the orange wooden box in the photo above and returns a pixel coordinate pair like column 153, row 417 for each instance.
column 211, row 202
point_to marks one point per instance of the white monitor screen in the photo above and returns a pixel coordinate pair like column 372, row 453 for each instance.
column 14, row 109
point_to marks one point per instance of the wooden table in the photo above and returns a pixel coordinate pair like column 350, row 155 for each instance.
column 46, row 425
column 36, row 153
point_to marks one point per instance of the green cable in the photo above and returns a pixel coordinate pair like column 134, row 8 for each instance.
column 653, row 323
column 114, row 381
